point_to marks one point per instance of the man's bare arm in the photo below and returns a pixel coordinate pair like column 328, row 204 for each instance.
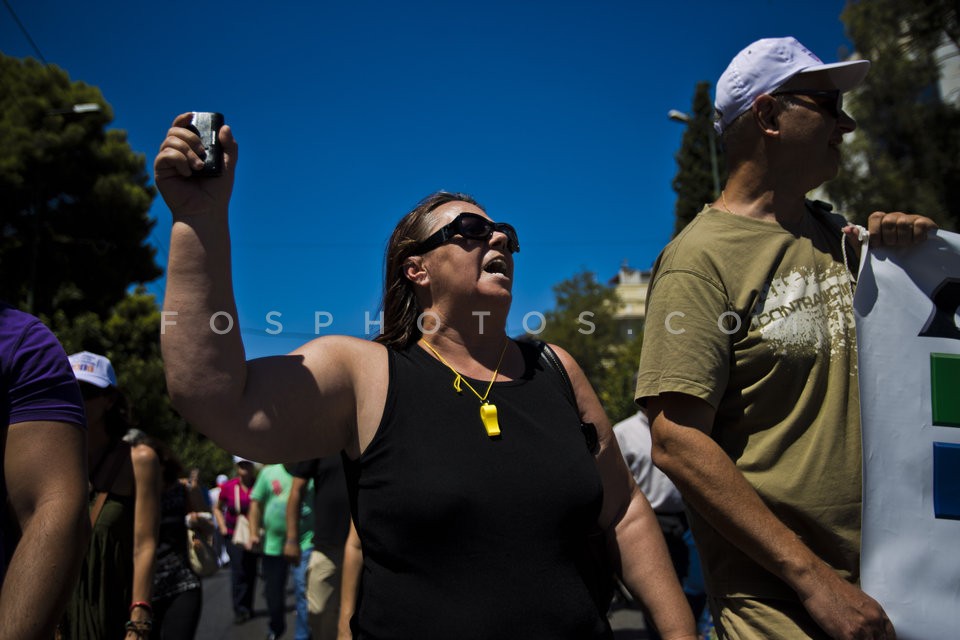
column 711, row 484
column 52, row 510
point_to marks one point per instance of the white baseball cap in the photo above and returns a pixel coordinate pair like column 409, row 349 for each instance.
column 766, row 65
column 94, row 369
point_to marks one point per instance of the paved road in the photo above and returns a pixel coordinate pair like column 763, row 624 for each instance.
column 216, row 622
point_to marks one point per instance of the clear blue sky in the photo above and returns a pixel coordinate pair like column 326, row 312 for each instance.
column 552, row 114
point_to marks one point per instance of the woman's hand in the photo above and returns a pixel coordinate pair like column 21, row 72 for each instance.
column 180, row 153
column 898, row 229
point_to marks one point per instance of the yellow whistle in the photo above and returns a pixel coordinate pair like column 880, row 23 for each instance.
column 488, row 414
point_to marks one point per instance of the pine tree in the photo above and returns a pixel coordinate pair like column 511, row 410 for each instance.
column 694, row 182
column 74, row 198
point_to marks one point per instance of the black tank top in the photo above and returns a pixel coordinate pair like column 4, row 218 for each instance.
column 466, row 536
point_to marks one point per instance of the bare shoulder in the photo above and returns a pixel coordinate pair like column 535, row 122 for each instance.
column 587, row 401
column 336, row 355
column 568, row 362
column 144, row 457
column 341, row 344
column 357, row 371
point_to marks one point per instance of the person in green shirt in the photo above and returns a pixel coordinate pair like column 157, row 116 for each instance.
column 268, row 520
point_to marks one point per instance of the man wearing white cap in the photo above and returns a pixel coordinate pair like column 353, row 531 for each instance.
column 749, row 366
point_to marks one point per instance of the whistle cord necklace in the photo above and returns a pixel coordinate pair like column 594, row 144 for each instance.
column 488, row 411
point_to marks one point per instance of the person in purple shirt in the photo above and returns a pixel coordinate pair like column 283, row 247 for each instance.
column 43, row 477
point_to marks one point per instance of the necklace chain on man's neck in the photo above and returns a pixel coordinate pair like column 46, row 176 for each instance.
column 723, row 203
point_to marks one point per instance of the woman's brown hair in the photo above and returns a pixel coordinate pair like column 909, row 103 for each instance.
column 399, row 305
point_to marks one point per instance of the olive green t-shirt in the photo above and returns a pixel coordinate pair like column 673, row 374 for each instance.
column 758, row 321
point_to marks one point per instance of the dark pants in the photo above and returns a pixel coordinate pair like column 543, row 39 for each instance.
column 177, row 617
column 243, row 577
column 275, row 570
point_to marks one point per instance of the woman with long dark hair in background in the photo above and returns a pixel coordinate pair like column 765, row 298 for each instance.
column 177, row 592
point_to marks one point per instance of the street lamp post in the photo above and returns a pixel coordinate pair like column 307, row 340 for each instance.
column 680, row 116
column 79, row 109
column 84, row 107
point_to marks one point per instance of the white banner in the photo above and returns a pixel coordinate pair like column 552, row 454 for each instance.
column 908, row 330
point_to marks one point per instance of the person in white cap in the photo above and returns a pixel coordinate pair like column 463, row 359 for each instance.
column 749, row 362
column 112, row 599
column 233, row 502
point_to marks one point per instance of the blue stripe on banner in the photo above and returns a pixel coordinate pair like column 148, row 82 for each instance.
column 946, row 480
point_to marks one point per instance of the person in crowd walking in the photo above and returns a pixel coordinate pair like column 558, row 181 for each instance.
column 234, row 501
column 213, row 497
column 113, row 597
column 268, row 513
column 43, row 421
column 633, row 436
column 475, row 480
column 331, row 521
column 749, row 363
column 177, row 592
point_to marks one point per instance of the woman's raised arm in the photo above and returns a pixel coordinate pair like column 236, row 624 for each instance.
column 272, row 409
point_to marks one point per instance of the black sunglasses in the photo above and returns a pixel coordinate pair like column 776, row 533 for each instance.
column 830, row 101
column 470, row 225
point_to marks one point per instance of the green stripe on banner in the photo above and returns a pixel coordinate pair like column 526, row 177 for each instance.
column 946, row 480
column 945, row 389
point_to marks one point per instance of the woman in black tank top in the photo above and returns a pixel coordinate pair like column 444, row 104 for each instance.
column 474, row 488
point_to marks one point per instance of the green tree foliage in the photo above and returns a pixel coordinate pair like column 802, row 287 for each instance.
column 74, row 197
column 74, row 202
column 694, row 182
column 129, row 337
column 905, row 154
column 583, row 323
column 618, row 381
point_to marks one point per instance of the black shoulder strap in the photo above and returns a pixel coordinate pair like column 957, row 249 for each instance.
column 588, row 429
column 551, row 358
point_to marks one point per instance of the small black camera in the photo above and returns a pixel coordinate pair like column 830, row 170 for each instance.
column 207, row 125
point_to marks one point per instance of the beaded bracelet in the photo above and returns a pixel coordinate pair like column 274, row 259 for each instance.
column 142, row 604
column 141, row 628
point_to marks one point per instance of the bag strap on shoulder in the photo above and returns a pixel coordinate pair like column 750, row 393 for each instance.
column 553, row 360
column 588, row 429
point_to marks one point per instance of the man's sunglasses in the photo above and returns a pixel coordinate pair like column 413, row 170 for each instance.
column 473, row 226
column 830, row 101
